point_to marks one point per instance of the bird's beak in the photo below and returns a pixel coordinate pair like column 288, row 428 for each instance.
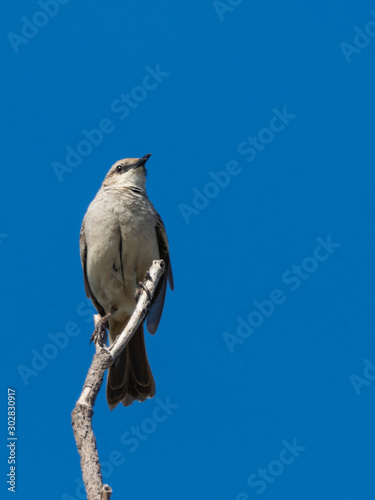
column 142, row 161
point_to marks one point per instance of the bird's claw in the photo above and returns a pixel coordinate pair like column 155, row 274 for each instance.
column 99, row 335
column 143, row 287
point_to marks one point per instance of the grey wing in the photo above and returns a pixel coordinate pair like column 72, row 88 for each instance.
column 153, row 317
column 83, row 252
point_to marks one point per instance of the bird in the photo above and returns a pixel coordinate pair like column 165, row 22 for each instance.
column 121, row 235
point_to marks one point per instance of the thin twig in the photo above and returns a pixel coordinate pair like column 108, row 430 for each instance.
column 103, row 359
column 106, row 493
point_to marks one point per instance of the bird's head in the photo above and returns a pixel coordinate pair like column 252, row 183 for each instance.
column 128, row 172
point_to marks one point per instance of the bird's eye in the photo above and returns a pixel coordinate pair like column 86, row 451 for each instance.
column 118, row 168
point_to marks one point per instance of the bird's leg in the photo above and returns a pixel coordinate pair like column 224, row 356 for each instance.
column 100, row 333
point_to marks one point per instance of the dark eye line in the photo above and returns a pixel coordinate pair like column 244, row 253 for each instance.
column 123, row 168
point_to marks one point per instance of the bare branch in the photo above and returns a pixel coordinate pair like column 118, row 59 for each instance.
column 103, row 359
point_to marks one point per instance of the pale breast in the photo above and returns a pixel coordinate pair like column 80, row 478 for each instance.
column 121, row 245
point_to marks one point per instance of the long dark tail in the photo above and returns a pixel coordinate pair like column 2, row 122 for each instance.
column 131, row 378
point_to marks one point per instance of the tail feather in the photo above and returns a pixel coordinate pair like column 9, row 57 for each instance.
column 131, row 379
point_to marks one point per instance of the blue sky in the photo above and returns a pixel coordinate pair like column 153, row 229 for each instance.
column 259, row 118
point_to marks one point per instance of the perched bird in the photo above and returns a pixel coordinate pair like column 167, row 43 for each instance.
column 121, row 235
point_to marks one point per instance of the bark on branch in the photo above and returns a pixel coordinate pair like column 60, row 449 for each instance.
column 103, row 359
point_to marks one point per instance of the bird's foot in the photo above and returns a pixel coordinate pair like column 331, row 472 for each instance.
column 100, row 333
column 142, row 286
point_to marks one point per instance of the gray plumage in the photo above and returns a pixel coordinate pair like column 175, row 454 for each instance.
column 121, row 235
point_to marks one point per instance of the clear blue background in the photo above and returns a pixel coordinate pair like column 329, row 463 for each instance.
column 291, row 378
